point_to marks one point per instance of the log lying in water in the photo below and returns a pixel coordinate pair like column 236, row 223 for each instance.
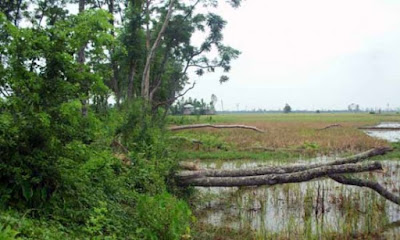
column 273, row 179
column 280, row 169
column 381, row 128
column 369, row 184
column 183, row 127
column 293, row 174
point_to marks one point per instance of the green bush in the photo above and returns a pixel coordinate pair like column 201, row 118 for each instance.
column 162, row 217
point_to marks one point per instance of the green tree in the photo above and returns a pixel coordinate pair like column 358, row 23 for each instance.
column 287, row 108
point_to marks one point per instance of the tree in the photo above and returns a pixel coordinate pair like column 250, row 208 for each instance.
column 287, row 108
column 42, row 83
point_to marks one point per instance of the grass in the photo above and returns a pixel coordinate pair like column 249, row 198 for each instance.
column 283, row 132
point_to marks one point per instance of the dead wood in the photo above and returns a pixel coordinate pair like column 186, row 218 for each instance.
column 369, row 184
column 281, row 169
column 193, row 166
column 330, row 126
column 381, row 128
column 273, row 179
column 183, row 127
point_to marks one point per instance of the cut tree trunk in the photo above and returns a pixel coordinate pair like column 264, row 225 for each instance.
column 273, row 179
column 283, row 169
column 183, row 127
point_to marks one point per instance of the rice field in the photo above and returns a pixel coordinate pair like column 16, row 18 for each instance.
column 320, row 209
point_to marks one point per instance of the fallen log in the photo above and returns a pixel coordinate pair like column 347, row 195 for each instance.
column 281, row 169
column 368, row 184
column 381, row 128
column 330, row 126
column 193, row 166
column 183, row 127
column 273, row 179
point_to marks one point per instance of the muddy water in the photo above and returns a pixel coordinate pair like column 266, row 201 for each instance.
column 391, row 136
column 316, row 209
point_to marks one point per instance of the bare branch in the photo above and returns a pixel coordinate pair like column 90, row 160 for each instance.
column 369, row 184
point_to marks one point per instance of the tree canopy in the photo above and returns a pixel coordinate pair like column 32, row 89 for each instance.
column 84, row 89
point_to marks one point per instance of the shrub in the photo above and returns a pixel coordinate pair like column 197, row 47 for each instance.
column 162, row 217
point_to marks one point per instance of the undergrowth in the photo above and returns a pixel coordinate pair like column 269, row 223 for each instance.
column 76, row 183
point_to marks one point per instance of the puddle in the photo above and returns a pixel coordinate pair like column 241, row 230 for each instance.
column 316, row 207
column 391, row 136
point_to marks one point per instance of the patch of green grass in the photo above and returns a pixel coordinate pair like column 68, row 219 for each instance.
column 236, row 155
column 393, row 155
column 292, row 117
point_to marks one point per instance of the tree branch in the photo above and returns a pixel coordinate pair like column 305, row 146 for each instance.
column 366, row 183
column 150, row 55
column 171, row 100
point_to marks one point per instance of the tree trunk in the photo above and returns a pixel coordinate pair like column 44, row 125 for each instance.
column 114, row 65
column 150, row 55
column 273, row 179
column 81, row 61
column 131, row 79
column 281, row 170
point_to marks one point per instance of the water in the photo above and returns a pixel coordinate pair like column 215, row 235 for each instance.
column 316, row 209
column 318, row 206
column 391, row 136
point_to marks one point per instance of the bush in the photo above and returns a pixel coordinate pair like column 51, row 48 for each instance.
column 162, row 217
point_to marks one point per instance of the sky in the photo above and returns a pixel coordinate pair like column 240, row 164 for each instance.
column 311, row 54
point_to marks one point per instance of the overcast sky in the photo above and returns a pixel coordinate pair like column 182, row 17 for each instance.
column 312, row 54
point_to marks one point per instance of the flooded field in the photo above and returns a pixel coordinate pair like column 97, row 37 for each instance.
column 320, row 209
column 391, row 136
column 315, row 208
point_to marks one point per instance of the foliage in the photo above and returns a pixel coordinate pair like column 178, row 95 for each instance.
column 287, row 108
column 196, row 107
column 162, row 217
column 73, row 165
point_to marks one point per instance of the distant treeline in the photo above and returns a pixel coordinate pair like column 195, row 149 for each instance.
column 302, row 111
